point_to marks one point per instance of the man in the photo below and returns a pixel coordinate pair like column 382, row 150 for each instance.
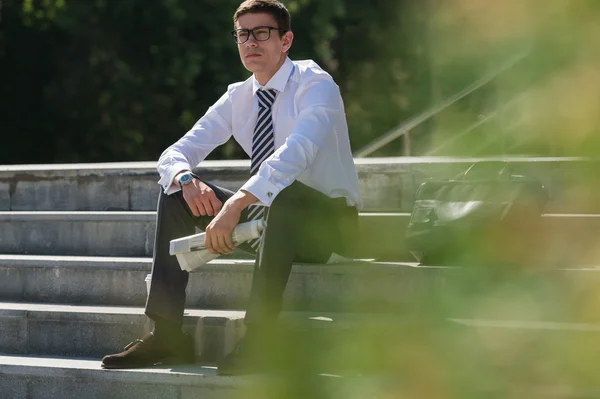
column 289, row 117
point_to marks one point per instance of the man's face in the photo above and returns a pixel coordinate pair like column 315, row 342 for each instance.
column 263, row 58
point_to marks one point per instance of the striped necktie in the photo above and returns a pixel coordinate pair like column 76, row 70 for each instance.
column 263, row 145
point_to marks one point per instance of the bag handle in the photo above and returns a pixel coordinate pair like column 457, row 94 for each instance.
column 503, row 168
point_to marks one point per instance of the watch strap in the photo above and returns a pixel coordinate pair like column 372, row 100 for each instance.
column 195, row 176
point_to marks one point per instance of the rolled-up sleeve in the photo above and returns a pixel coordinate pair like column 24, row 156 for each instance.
column 211, row 131
column 319, row 106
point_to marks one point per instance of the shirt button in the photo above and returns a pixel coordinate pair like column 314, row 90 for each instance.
column 269, row 194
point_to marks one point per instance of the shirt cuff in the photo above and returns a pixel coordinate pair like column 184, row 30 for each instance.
column 262, row 189
column 166, row 181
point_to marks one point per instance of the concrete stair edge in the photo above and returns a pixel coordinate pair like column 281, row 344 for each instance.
column 48, row 366
column 220, row 284
column 143, row 263
column 45, row 377
column 132, row 233
column 386, row 183
column 237, row 163
column 39, row 329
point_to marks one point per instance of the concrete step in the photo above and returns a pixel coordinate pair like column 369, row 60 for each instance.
column 561, row 236
column 133, row 186
column 359, row 287
column 94, row 331
column 67, row 378
column 221, row 284
column 492, row 358
column 76, row 280
column 132, row 233
column 78, row 233
column 386, row 183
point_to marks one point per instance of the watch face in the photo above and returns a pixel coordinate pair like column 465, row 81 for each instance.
column 185, row 179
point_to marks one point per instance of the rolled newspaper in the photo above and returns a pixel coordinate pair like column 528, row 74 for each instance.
column 191, row 252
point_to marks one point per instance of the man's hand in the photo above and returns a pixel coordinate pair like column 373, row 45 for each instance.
column 218, row 232
column 201, row 199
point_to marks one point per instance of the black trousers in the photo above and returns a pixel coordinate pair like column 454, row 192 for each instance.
column 303, row 225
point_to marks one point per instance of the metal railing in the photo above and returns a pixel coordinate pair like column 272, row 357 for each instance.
column 487, row 118
column 403, row 130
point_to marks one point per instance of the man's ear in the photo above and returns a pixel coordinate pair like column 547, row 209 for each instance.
column 288, row 38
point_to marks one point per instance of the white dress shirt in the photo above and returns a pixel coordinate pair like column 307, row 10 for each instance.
column 311, row 135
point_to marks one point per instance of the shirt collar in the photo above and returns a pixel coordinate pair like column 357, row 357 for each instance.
column 279, row 80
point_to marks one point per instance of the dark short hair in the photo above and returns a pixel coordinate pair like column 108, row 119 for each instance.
column 272, row 7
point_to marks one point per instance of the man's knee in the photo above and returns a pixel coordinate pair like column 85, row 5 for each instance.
column 287, row 198
column 298, row 194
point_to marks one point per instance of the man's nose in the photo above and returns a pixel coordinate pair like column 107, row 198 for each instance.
column 251, row 42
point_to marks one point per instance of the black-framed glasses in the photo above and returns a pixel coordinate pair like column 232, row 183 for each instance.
column 260, row 33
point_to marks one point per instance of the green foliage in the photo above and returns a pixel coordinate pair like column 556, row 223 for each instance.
column 104, row 80
column 41, row 12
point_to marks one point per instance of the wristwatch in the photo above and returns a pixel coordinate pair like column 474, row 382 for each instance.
column 186, row 178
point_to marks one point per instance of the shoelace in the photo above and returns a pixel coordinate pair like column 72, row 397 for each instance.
column 137, row 341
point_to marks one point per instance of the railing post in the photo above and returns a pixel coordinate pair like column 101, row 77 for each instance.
column 406, row 148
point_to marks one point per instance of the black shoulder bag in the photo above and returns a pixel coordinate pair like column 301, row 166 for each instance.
column 482, row 216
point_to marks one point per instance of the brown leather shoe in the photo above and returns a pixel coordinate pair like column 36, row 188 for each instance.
column 252, row 354
column 148, row 351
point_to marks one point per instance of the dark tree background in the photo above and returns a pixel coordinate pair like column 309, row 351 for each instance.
column 120, row 80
